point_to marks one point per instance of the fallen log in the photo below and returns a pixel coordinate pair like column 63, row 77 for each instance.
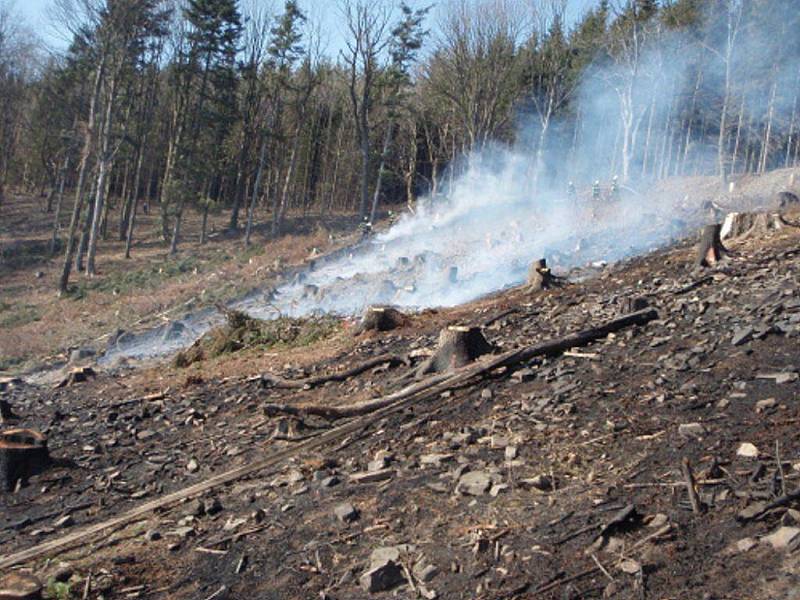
column 269, row 380
column 431, row 387
column 80, row 536
column 460, row 376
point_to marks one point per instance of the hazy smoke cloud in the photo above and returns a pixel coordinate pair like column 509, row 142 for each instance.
column 493, row 220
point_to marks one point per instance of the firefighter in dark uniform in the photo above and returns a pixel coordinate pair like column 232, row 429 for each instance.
column 365, row 227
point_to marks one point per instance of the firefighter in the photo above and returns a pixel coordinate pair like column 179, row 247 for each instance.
column 365, row 227
column 572, row 193
column 596, row 190
column 614, row 193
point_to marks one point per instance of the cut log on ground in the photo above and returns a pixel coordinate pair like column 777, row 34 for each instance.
column 710, row 250
column 269, row 380
column 23, row 453
column 457, row 346
column 741, row 225
column 439, row 383
column 540, row 277
column 431, row 387
column 380, row 318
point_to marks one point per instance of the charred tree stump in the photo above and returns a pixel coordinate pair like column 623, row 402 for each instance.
column 630, row 305
column 540, row 277
column 80, row 375
column 23, row 453
column 457, row 346
column 5, row 411
column 380, row 318
column 710, row 250
column 787, row 201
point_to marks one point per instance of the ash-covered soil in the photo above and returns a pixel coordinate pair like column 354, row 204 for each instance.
column 557, row 478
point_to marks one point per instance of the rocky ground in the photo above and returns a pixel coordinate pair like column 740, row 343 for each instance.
column 561, row 477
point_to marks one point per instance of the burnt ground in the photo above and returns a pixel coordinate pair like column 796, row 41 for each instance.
column 555, row 448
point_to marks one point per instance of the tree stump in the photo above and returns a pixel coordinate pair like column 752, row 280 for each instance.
column 20, row 586
column 539, row 276
column 631, row 305
column 787, row 201
column 380, row 318
column 457, row 346
column 710, row 250
column 5, row 411
column 80, row 375
column 23, row 452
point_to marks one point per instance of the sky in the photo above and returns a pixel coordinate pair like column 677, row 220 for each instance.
column 38, row 15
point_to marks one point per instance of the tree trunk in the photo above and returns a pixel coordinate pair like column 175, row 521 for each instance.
column 62, row 178
column 277, row 217
column 387, row 141
column 103, row 171
column 63, row 280
column 262, row 160
column 710, row 249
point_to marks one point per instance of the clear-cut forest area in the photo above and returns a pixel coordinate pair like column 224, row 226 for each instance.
column 492, row 299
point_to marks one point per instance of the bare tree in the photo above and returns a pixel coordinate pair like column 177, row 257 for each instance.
column 367, row 23
column 476, row 66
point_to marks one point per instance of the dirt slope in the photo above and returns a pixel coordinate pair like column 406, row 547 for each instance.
column 502, row 485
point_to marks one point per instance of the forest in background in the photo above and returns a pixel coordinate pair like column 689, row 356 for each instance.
column 217, row 106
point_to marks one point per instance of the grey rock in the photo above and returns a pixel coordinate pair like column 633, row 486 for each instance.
column 381, row 578
column 691, row 430
column 474, row 483
column 329, row 481
column 425, row 572
column 435, row 460
column 742, row 335
column 346, row 512
column 372, row 476
column 783, row 538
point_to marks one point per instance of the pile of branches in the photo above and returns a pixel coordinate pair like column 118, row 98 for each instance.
column 242, row 331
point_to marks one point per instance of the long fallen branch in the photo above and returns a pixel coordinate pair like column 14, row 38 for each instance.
column 378, row 409
column 458, row 377
column 80, row 536
column 270, row 380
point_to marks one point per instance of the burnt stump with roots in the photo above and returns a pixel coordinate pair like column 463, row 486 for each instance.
column 457, row 346
column 380, row 318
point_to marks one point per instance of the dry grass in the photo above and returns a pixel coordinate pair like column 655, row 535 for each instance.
column 36, row 325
